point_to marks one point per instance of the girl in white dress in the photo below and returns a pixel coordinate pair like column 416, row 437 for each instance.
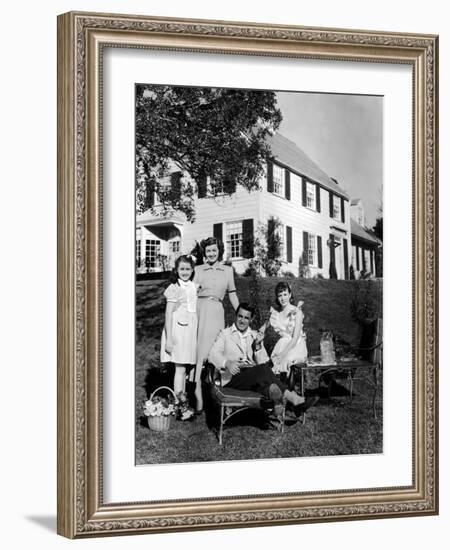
column 179, row 338
column 287, row 321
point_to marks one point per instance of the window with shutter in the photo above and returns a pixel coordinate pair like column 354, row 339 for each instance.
column 152, row 248
column 275, row 240
column 310, row 195
column 164, row 185
column 278, row 180
column 234, row 239
column 336, row 207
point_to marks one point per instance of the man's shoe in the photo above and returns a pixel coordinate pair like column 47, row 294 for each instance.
column 309, row 402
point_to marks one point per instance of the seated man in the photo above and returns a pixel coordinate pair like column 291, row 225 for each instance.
column 239, row 354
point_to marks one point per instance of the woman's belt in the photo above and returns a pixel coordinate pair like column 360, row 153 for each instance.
column 213, row 298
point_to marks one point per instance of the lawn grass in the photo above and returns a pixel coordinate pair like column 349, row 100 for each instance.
column 333, row 426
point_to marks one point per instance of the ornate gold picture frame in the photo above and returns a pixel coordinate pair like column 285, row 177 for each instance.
column 82, row 509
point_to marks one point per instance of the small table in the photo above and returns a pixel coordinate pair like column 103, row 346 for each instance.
column 350, row 368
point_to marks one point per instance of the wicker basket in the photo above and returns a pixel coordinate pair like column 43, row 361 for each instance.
column 160, row 423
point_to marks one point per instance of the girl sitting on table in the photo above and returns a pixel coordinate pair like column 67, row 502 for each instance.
column 287, row 321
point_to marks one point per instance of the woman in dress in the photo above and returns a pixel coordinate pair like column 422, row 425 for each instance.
column 287, row 321
column 214, row 280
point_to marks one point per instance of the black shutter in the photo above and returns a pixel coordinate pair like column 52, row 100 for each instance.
column 345, row 242
column 371, row 261
column 270, row 176
column 319, row 252
column 175, row 179
column 331, row 204
column 342, row 210
column 318, row 198
column 305, row 247
column 333, row 274
column 150, row 195
column 247, row 238
column 229, row 185
column 304, row 192
column 201, row 184
column 289, row 244
column 218, row 231
column 287, row 184
column 357, row 258
column 271, row 249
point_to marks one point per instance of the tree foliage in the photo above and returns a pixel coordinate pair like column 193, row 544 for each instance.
column 200, row 132
column 378, row 228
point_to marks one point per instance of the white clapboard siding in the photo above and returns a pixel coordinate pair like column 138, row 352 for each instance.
column 211, row 210
column 301, row 218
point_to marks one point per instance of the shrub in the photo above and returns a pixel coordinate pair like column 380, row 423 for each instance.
column 365, row 307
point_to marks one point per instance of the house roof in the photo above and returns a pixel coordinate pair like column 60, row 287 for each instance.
column 290, row 155
column 355, row 201
column 362, row 233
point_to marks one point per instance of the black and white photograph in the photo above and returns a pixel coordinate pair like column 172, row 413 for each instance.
column 259, row 274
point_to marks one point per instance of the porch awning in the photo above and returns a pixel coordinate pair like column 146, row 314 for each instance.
column 152, row 218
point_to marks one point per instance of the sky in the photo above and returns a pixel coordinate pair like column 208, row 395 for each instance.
column 343, row 135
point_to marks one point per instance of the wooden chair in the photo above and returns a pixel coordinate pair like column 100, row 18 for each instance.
column 231, row 401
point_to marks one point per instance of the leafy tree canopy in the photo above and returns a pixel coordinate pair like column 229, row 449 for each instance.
column 378, row 228
column 220, row 133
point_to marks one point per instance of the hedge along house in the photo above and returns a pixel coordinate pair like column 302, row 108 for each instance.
column 366, row 258
column 308, row 209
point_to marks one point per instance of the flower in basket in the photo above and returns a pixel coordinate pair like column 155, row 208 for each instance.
column 158, row 406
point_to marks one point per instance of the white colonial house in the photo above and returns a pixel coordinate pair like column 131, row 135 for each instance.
column 313, row 209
